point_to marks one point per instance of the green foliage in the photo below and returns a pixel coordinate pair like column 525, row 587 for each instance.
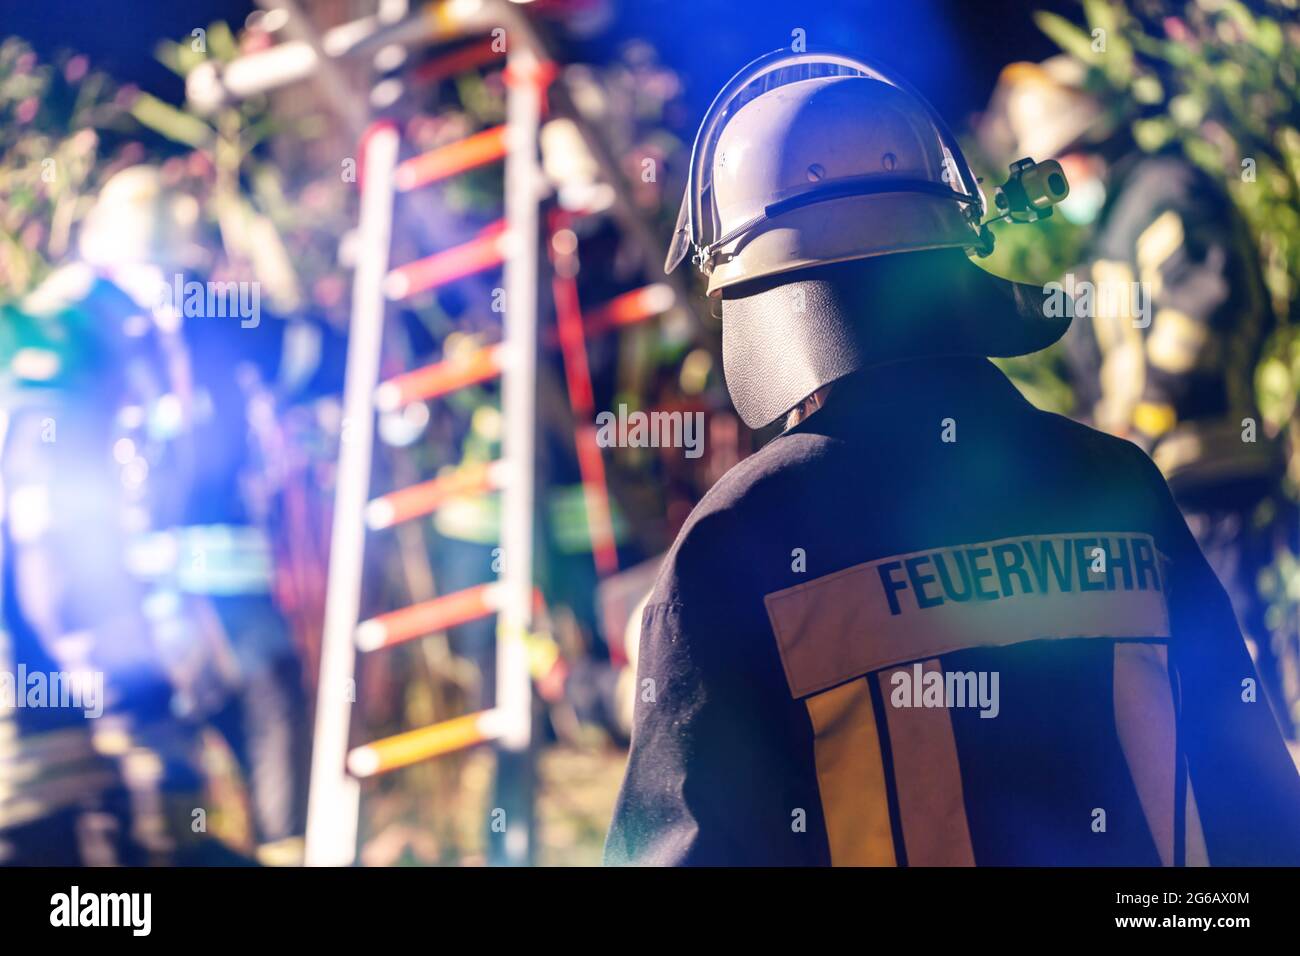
column 1220, row 82
column 54, row 122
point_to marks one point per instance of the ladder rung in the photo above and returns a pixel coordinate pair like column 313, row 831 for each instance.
column 428, row 496
column 427, row 617
column 630, row 308
column 440, row 378
column 478, row 255
column 626, row 309
column 402, row 750
column 452, row 159
column 462, row 60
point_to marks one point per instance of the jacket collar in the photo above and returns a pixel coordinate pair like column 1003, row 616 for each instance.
column 915, row 383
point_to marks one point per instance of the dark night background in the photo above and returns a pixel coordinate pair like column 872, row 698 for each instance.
column 951, row 50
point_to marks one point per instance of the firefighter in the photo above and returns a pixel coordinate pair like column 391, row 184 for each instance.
column 242, row 366
column 79, row 784
column 927, row 624
column 98, row 464
column 1165, row 356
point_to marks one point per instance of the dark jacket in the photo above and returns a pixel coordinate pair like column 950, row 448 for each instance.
column 934, row 625
column 1179, row 379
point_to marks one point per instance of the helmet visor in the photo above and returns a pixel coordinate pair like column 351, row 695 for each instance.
column 681, row 241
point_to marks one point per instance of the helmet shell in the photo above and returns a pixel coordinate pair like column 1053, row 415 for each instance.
column 810, row 134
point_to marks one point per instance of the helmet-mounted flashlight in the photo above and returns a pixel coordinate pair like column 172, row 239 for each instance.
column 1031, row 190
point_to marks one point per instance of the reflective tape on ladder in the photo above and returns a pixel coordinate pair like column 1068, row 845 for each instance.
column 452, row 159
column 428, row 496
column 462, row 60
column 443, row 377
column 403, row 750
column 484, row 252
column 630, row 308
column 428, row 617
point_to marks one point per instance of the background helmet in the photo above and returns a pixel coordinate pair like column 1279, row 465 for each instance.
column 137, row 219
column 1043, row 110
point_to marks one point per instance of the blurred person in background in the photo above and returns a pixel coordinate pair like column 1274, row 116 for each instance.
column 1172, row 369
column 467, row 554
column 86, row 392
column 243, row 364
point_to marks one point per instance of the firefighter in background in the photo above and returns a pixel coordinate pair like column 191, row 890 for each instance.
column 928, row 624
column 238, row 667
column 467, row 553
column 83, row 388
column 1166, row 357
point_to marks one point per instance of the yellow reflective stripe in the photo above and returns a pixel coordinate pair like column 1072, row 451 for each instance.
column 1123, row 363
column 851, row 776
column 1112, row 304
column 927, row 779
column 1196, row 852
column 1154, row 418
column 1176, row 341
column 928, row 603
column 1159, row 241
column 442, row 17
column 1144, row 721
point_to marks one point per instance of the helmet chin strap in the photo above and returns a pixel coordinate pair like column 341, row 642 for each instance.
column 856, row 186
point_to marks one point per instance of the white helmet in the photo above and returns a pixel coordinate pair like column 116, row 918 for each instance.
column 803, row 160
column 137, row 219
column 810, row 158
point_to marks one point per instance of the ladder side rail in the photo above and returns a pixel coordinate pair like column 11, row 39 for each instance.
column 334, row 796
column 524, row 186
